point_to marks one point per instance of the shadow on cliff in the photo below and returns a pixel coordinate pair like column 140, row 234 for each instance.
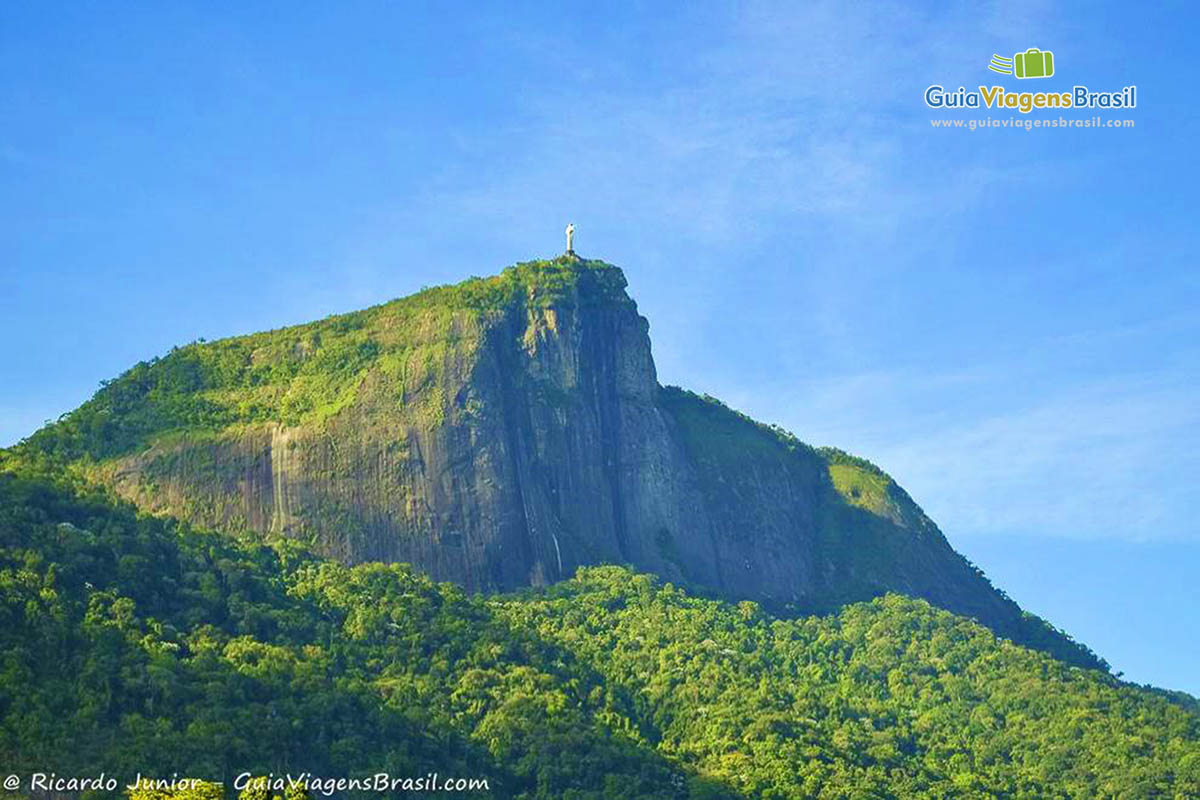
column 851, row 531
column 856, row 547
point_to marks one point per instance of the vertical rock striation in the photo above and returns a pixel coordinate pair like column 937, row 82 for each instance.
column 502, row 433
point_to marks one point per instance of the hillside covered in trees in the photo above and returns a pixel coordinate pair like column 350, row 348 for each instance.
column 137, row 644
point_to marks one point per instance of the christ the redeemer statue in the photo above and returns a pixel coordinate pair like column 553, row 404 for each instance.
column 570, row 238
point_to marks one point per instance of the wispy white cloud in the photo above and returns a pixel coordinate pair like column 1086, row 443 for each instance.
column 1008, row 447
column 788, row 115
column 1094, row 462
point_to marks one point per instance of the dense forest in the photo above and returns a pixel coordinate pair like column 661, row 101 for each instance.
column 134, row 644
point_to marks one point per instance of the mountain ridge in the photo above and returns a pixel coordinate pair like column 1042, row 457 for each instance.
column 500, row 433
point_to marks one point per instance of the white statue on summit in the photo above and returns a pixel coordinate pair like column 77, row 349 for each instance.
column 570, row 238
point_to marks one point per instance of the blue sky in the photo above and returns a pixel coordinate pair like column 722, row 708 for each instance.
column 1005, row 320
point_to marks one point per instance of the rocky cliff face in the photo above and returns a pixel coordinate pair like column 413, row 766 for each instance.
column 502, row 433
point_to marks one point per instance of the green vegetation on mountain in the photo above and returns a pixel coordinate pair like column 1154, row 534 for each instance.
column 503, row 432
column 183, row 586
column 306, row 374
column 134, row 643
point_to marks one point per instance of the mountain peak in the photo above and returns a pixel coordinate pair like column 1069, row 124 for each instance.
column 310, row 372
column 540, row 282
column 503, row 432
